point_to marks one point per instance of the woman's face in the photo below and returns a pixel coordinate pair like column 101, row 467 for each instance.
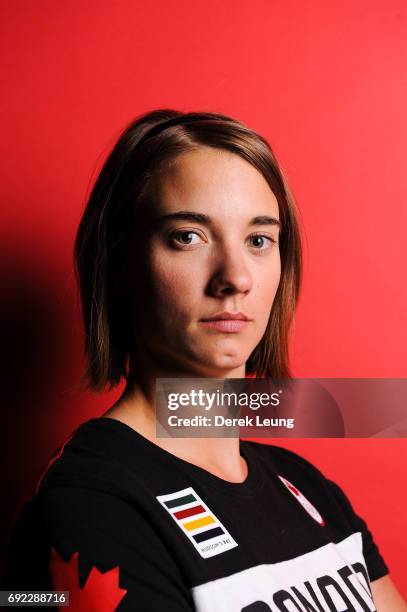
column 209, row 247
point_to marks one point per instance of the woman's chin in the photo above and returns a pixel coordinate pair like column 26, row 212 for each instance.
column 220, row 365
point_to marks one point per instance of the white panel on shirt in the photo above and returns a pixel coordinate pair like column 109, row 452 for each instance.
column 327, row 579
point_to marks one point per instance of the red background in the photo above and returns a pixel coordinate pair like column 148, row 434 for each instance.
column 326, row 83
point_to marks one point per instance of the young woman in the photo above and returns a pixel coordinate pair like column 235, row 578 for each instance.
column 189, row 265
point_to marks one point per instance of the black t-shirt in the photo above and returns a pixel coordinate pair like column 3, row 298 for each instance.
column 119, row 521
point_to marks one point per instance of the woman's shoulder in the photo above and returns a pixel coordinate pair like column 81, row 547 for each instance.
column 87, row 500
column 284, row 459
column 95, row 456
column 300, row 474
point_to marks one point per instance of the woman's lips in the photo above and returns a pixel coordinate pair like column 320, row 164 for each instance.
column 229, row 326
column 227, row 321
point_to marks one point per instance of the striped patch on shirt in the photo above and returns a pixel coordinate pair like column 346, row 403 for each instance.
column 203, row 529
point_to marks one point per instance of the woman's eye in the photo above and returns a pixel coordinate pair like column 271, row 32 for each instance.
column 186, row 237
column 261, row 242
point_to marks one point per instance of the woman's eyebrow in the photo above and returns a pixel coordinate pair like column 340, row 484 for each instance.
column 265, row 220
column 183, row 215
column 186, row 215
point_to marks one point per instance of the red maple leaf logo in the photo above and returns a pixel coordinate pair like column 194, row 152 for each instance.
column 293, row 489
column 101, row 592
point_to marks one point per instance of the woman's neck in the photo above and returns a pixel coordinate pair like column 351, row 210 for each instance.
column 136, row 408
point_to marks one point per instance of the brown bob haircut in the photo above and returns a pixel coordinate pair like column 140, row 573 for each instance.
column 149, row 142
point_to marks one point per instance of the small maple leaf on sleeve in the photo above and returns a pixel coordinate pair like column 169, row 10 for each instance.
column 100, row 593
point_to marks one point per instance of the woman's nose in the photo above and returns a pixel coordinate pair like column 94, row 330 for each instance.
column 231, row 275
